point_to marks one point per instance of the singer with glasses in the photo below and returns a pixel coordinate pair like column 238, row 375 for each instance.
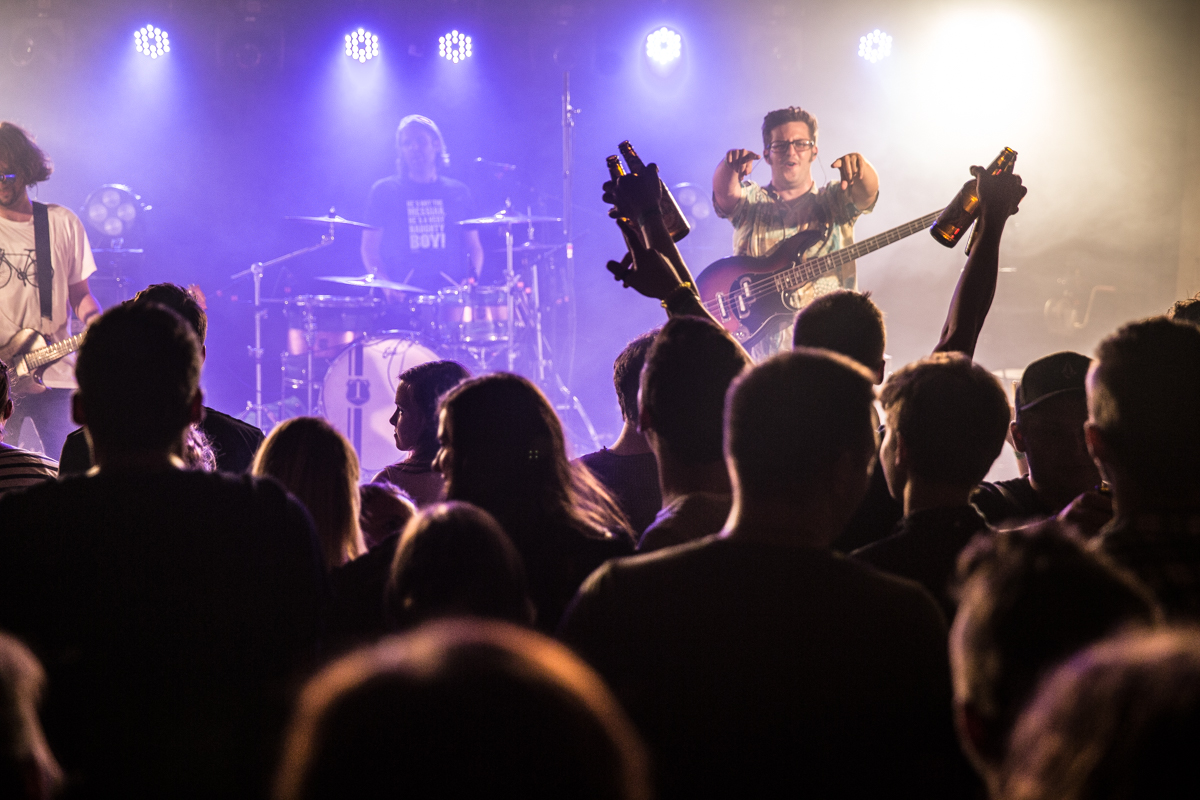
column 764, row 216
column 45, row 262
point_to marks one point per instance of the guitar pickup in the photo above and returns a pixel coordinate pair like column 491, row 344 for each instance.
column 722, row 306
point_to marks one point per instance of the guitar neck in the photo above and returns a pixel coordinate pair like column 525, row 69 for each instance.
column 808, row 271
column 54, row 352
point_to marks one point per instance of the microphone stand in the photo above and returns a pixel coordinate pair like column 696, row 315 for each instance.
column 260, row 313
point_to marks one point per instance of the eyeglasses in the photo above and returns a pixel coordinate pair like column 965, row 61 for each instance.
column 8, row 178
column 781, row 147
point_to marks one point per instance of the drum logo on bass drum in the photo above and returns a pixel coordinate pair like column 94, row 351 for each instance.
column 358, row 391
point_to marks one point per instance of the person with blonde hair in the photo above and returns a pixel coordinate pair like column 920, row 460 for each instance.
column 319, row 467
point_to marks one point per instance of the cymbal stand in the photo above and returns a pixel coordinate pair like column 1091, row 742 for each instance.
column 510, row 281
column 260, row 313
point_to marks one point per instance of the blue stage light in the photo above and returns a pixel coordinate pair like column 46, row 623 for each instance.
column 664, row 46
column 151, row 41
column 875, row 46
column 454, row 46
column 362, row 45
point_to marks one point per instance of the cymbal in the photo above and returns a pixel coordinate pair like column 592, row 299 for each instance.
column 333, row 220
column 505, row 218
column 372, row 282
column 530, row 247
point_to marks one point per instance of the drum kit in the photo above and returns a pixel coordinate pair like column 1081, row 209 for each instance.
column 344, row 353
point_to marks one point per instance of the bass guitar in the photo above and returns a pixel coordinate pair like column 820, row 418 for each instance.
column 28, row 353
column 750, row 296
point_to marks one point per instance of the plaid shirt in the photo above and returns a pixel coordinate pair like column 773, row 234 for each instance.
column 1163, row 551
column 761, row 222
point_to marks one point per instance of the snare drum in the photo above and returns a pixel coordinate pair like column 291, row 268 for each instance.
column 335, row 322
column 359, row 395
column 473, row 314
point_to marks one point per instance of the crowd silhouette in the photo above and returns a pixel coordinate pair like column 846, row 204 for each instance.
column 784, row 578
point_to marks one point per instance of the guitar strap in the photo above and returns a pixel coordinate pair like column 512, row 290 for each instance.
column 45, row 271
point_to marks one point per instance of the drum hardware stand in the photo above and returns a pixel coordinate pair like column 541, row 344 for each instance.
column 260, row 313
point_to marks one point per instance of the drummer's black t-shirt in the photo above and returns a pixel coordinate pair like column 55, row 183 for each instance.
column 420, row 237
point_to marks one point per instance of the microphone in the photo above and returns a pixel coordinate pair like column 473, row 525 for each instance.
column 497, row 166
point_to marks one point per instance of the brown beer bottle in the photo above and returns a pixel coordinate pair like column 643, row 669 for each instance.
column 964, row 208
column 615, row 168
column 677, row 224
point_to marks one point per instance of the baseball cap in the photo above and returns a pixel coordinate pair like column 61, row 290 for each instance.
column 1052, row 375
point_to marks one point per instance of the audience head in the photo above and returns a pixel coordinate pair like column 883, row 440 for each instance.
column 801, row 426
column 139, row 376
column 182, row 301
column 1119, row 720
column 418, row 390
column 947, row 418
column 845, row 322
column 1186, row 310
column 688, row 369
column 502, row 449
column 21, row 156
column 1143, row 428
column 316, row 464
column 455, row 560
column 384, row 510
column 1028, row 598
column 627, row 375
column 1051, row 409
column 461, row 708
column 27, row 767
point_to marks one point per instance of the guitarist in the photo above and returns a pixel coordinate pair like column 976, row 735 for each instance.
column 763, row 217
column 23, row 164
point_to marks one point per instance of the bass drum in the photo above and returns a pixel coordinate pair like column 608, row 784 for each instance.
column 359, row 395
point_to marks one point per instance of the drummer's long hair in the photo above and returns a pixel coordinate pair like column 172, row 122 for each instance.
column 316, row 464
column 506, row 453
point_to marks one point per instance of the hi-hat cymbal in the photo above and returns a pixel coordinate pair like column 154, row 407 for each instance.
column 505, row 218
column 333, row 219
column 372, row 282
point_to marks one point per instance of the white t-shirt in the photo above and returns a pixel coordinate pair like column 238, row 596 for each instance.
column 20, row 306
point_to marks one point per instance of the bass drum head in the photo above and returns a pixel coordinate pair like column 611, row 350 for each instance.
column 359, row 395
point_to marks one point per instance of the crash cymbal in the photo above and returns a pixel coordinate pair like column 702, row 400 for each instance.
column 372, row 282
column 333, row 219
column 505, row 218
column 530, row 247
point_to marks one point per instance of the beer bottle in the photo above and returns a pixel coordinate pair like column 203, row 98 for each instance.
column 955, row 218
column 615, row 168
column 677, row 224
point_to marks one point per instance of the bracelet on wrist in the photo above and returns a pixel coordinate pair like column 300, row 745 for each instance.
column 684, row 289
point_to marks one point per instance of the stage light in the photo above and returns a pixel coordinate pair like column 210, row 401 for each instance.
column 151, row 41
column 664, row 46
column 112, row 211
column 362, row 45
column 875, row 46
column 454, row 46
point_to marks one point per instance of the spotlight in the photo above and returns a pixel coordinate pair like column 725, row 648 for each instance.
column 454, row 46
column 362, row 45
column 664, row 46
column 875, row 46
column 112, row 211
column 151, row 41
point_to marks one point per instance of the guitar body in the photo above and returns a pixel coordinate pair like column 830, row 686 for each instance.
column 726, row 287
column 24, row 379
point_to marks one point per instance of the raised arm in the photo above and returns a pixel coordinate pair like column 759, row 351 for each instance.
column 727, row 180
column 998, row 199
column 653, row 266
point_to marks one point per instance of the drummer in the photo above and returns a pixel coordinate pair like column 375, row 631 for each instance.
column 417, row 241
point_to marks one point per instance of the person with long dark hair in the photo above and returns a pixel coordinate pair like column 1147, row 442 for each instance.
column 503, row 449
column 417, row 393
